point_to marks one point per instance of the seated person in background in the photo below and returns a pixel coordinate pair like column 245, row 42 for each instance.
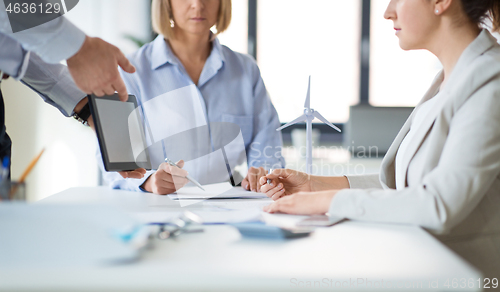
column 442, row 171
column 189, row 88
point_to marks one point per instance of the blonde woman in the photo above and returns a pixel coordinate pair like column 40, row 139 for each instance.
column 442, row 172
column 223, row 87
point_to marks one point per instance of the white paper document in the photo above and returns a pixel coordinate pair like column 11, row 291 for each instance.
column 238, row 204
column 215, row 191
column 229, row 216
column 155, row 217
column 208, row 215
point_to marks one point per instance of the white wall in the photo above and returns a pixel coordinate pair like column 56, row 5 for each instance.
column 69, row 159
column 111, row 20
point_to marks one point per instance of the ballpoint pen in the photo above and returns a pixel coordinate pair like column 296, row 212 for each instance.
column 188, row 176
column 269, row 180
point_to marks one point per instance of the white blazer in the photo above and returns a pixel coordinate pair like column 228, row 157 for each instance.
column 455, row 190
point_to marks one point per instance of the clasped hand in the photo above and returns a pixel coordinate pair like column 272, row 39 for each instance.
column 293, row 193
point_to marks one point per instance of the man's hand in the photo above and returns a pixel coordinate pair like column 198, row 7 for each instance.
column 167, row 179
column 251, row 182
column 95, row 68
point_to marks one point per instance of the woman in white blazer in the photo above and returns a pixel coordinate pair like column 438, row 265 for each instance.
column 442, row 171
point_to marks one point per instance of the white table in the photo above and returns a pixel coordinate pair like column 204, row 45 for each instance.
column 346, row 256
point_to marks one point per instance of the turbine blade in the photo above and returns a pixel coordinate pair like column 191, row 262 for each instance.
column 321, row 118
column 299, row 119
column 307, row 104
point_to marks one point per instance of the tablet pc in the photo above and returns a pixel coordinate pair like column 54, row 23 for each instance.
column 120, row 131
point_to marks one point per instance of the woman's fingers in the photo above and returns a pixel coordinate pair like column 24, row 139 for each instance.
column 168, row 178
column 251, row 181
column 138, row 173
column 172, row 170
column 169, row 187
column 267, row 187
column 303, row 203
column 175, row 171
column 263, row 182
column 168, row 175
column 164, row 184
column 245, row 184
column 280, row 206
column 279, row 172
column 276, row 177
column 280, row 193
column 271, row 193
column 259, row 172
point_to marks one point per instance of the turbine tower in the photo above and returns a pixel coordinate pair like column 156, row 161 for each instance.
column 308, row 117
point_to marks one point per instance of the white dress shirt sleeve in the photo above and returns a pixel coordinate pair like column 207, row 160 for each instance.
column 53, row 41
column 13, row 58
column 53, row 83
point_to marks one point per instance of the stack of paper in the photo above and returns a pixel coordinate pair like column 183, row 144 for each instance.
column 215, row 191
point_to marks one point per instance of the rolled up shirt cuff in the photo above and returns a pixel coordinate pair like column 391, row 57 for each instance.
column 66, row 87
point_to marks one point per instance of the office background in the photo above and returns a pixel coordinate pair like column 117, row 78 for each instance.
column 347, row 46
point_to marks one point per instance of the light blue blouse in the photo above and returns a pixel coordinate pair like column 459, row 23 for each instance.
column 230, row 89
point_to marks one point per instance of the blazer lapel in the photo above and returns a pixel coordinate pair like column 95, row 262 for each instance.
column 482, row 43
column 417, row 140
column 388, row 166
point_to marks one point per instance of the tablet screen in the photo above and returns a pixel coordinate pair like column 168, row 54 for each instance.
column 114, row 117
column 120, row 133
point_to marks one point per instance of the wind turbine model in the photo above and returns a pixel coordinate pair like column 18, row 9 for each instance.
column 308, row 117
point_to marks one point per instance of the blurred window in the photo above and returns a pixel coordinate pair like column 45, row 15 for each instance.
column 297, row 38
column 236, row 36
column 397, row 77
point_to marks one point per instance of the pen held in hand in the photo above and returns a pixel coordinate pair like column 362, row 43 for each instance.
column 188, row 177
column 269, row 180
